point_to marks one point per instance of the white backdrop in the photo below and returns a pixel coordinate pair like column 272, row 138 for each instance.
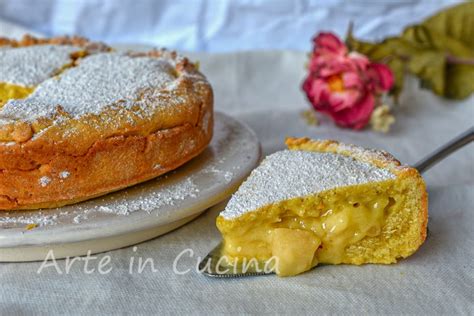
column 263, row 90
column 216, row 25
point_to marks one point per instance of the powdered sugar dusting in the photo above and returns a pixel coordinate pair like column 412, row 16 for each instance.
column 39, row 219
column 292, row 173
column 64, row 174
column 29, row 66
column 44, row 181
column 226, row 175
column 137, row 199
column 99, row 81
column 369, row 154
column 126, row 206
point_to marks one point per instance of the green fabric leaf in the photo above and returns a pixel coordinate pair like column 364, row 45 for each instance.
column 429, row 66
column 461, row 81
column 398, row 68
column 456, row 22
column 440, row 51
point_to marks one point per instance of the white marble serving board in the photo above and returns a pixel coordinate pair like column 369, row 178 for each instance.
column 137, row 213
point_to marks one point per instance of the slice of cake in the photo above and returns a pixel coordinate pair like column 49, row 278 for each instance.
column 325, row 202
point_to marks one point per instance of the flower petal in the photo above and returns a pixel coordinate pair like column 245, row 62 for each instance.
column 329, row 43
column 384, row 76
column 359, row 60
column 317, row 91
column 352, row 79
column 343, row 100
column 357, row 116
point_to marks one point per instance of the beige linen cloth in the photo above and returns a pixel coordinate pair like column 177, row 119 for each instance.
column 262, row 90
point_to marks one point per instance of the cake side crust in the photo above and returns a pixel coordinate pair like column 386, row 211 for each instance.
column 108, row 165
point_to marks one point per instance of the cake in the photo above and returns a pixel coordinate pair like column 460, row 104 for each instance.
column 325, row 202
column 79, row 120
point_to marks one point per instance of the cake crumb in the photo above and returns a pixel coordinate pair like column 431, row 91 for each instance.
column 31, row 226
column 310, row 117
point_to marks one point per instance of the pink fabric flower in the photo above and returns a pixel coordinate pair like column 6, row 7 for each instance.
column 343, row 84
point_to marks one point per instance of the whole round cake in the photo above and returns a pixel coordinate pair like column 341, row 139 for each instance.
column 79, row 120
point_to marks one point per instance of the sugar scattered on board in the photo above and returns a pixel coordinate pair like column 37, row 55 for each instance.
column 39, row 218
column 226, row 175
column 123, row 204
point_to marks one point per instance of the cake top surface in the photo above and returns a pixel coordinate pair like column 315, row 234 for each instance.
column 72, row 91
column 289, row 174
column 98, row 81
column 31, row 65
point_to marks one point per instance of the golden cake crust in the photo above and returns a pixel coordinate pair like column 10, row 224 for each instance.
column 379, row 158
column 28, row 40
column 64, row 161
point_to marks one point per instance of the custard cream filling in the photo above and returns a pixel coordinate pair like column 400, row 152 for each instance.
column 10, row 91
column 332, row 228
